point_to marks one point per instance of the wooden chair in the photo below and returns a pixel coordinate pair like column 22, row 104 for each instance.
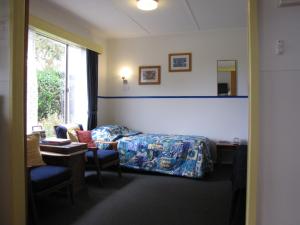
column 43, row 180
column 102, row 159
column 96, row 158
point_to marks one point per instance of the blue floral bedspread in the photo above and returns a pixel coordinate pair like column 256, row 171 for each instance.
column 179, row 155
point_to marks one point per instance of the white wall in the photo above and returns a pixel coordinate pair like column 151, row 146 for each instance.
column 5, row 181
column 215, row 118
column 279, row 183
column 206, row 47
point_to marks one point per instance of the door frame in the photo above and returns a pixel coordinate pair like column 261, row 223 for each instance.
column 18, row 26
column 254, row 128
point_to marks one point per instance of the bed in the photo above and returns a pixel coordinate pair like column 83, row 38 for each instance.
column 178, row 155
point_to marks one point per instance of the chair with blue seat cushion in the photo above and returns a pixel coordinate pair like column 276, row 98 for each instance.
column 43, row 177
column 101, row 159
column 96, row 159
column 105, row 156
column 46, row 179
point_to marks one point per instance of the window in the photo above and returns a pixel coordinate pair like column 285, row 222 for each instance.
column 56, row 83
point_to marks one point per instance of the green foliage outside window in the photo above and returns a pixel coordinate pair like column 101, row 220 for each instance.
column 50, row 89
column 48, row 53
column 50, row 61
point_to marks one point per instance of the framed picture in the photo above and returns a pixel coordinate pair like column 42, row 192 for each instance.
column 149, row 75
column 180, row 62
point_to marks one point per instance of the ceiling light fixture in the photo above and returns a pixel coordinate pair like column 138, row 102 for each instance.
column 147, row 5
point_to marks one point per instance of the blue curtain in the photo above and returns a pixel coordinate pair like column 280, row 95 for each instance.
column 92, row 82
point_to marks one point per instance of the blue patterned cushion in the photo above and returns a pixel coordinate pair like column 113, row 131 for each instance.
column 104, row 156
column 47, row 176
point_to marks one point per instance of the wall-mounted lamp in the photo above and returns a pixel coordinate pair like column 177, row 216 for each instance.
column 125, row 73
column 125, row 81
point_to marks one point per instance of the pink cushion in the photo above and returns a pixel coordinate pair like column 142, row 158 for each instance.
column 85, row 136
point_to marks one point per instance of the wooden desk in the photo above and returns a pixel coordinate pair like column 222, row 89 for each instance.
column 72, row 156
column 223, row 146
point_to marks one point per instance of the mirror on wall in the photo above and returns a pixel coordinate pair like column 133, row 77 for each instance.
column 227, row 77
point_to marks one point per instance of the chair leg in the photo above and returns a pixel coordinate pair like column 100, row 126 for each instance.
column 119, row 170
column 98, row 170
column 71, row 193
column 33, row 210
column 99, row 176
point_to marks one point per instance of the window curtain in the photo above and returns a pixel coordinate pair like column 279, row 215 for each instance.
column 92, row 84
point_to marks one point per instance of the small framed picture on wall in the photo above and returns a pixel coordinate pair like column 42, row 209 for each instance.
column 149, row 75
column 180, row 62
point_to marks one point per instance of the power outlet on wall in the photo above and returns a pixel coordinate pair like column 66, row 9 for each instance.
column 279, row 47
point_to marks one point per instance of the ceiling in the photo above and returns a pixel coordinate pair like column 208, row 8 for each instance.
column 122, row 19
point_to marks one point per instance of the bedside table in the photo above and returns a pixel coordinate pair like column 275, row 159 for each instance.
column 224, row 146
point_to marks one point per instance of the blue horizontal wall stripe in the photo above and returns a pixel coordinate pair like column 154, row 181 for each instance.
column 127, row 97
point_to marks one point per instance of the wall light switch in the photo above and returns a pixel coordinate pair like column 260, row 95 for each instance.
column 279, row 49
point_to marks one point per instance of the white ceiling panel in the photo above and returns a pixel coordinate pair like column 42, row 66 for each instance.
column 104, row 15
column 122, row 19
column 172, row 16
column 214, row 14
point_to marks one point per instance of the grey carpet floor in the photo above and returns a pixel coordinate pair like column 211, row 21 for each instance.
column 143, row 199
